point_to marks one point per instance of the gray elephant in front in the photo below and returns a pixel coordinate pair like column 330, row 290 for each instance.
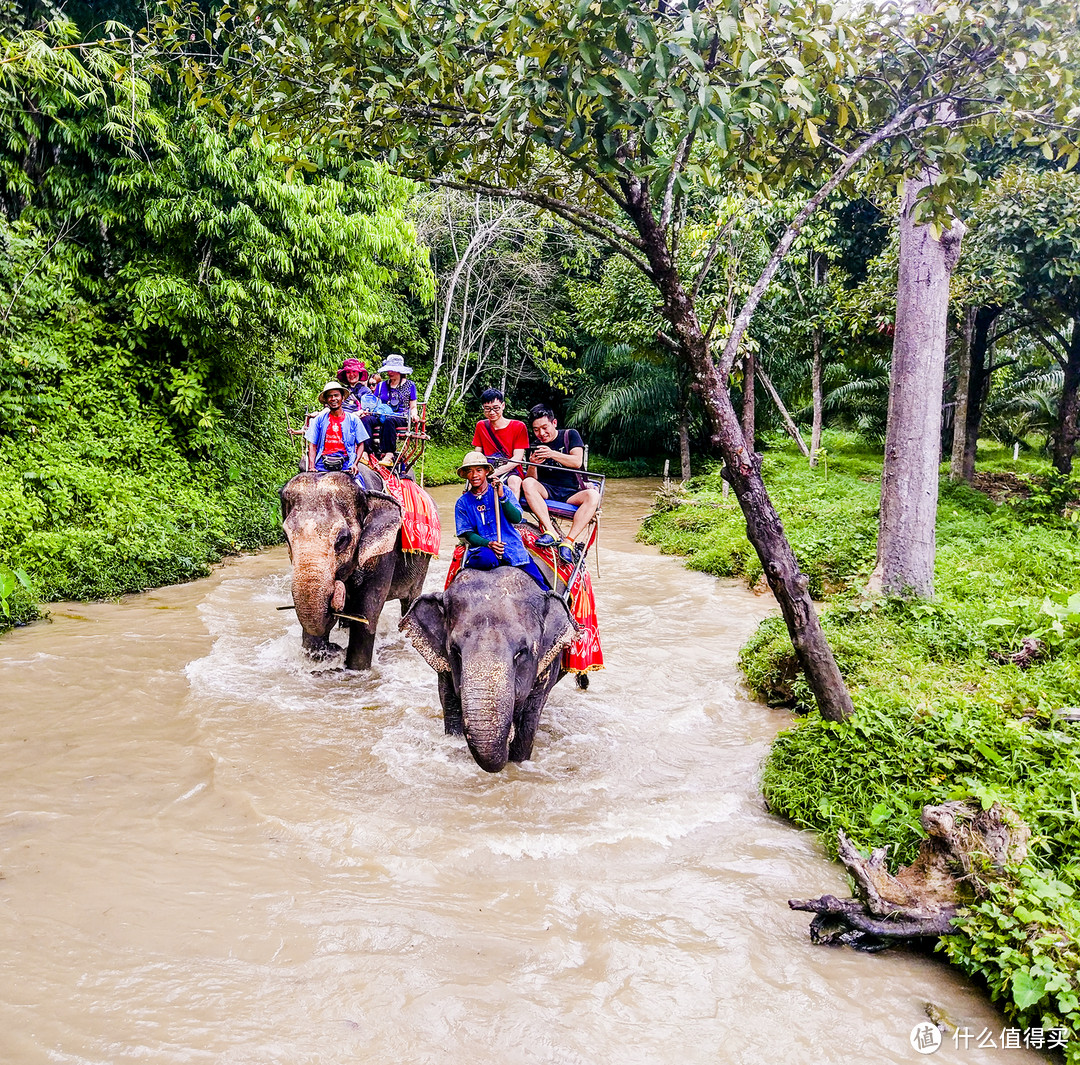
column 495, row 638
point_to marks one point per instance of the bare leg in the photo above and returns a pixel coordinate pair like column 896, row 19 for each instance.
column 586, row 502
column 536, row 494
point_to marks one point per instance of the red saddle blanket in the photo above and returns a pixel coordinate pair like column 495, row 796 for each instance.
column 585, row 653
column 420, row 529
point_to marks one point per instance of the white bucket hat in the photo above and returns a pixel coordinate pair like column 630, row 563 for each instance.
column 395, row 364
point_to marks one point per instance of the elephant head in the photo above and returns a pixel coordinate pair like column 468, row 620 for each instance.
column 495, row 638
column 333, row 526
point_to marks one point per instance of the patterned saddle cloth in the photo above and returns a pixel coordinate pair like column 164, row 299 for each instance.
column 585, row 654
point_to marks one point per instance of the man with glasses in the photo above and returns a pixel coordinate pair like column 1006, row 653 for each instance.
column 503, row 440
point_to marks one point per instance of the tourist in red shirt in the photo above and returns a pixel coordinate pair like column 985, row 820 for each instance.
column 336, row 437
column 501, row 439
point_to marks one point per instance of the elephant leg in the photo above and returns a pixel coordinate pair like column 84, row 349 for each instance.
column 451, row 706
column 361, row 646
column 526, row 722
column 527, row 717
column 366, row 599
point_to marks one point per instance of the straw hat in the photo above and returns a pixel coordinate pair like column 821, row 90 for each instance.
column 395, row 364
column 474, row 458
column 335, row 386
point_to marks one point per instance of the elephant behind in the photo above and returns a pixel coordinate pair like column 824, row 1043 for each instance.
column 344, row 538
column 496, row 639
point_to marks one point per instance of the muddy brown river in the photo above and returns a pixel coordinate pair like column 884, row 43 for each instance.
column 214, row 852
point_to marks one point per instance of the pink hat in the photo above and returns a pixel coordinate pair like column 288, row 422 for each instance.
column 356, row 366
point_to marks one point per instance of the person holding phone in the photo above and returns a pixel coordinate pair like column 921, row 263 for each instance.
column 555, row 473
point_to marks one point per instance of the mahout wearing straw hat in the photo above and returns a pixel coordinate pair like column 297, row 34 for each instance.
column 331, row 386
column 474, row 458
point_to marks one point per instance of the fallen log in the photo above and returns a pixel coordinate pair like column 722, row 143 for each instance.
column 966, row 847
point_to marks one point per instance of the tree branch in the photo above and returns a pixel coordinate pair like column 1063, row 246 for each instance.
column 1061, row 360
column 714, row 249
column 617, row 238
column 677, row 165
column 893, row 126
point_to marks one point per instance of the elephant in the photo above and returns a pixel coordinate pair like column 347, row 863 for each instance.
column 495, row 638
column 344, row 538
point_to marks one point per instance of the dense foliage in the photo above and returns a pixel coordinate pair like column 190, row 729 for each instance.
column 167, row 289
column 937, row 717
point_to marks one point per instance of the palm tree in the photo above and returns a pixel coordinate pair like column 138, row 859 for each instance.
column 637, row 405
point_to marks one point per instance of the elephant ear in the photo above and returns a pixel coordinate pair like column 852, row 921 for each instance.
column 290, row 495
column 557, row 633
column 381, row 525
column 425, row 625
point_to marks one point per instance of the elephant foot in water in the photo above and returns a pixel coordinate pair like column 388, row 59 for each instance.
column 319, row 648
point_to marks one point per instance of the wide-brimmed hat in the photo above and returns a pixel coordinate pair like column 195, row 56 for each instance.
column 395, row 364
column 474, row 458
column 335, row 386
column 352, row 364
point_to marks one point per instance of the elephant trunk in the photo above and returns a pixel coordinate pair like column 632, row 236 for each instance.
column 487, row 710
column 314, row 593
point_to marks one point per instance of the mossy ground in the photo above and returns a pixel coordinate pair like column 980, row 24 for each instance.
column 936, row 716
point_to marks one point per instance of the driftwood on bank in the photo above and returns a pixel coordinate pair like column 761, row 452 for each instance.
column 1031, row 651
column 965, row 847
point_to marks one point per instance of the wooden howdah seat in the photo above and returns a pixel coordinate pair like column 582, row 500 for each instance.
column 564, row 512
column 411, row 441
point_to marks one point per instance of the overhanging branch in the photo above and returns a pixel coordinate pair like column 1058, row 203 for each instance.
column 893, row 126
column 615, row 237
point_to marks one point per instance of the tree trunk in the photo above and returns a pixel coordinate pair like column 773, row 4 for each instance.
column 789, row 422
column 965, row 849
column 1065, row 444
column 748, row 413
column 978, row 387
column 684, row 447
column 817, row 370
column 909, row 478
column 960, row 404
column 816, row 374
column 743, row 470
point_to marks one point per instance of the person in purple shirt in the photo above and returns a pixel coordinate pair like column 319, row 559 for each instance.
column 398, row 393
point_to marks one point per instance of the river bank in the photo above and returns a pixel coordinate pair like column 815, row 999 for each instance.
column 222, row 854
column 938, row 716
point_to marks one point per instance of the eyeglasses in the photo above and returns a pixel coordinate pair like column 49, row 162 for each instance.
column 491, row 406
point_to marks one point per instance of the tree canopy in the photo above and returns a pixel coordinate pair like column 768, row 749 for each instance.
column 622, row 120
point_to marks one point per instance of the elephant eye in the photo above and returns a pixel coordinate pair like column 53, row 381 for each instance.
column 520, row 653
column 342, row 539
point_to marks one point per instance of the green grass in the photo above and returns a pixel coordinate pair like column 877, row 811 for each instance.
column 936, row 717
